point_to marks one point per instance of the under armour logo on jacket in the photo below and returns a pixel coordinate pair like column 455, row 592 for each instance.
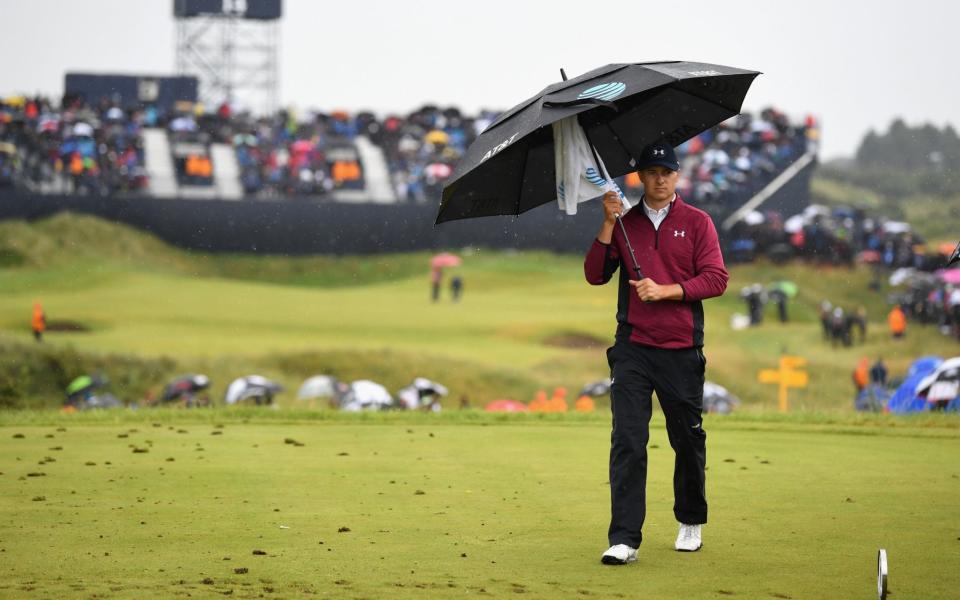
column 659, row 152
column 681, row 233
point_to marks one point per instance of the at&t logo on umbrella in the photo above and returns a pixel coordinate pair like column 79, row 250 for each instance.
column 603, row 91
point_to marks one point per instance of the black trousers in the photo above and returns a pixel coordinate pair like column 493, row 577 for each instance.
column 677, row 377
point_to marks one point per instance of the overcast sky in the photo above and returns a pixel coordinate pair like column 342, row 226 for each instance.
column 855, row 65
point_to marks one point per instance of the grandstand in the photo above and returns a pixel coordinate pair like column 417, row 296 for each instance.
column 114, row 147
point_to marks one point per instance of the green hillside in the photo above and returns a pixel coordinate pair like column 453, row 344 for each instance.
column 142, row 311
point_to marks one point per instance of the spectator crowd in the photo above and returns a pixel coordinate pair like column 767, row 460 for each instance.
column 74, row 147
column 98, row 148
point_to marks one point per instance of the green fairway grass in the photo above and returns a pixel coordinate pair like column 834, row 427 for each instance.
column 527, row 321
column 462, row 504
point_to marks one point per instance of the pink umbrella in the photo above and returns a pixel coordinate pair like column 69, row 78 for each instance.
column 505, row 406
column 438, row 170
column 951, row 276
column 869, row 256
column 445, row 260
column 301, row 146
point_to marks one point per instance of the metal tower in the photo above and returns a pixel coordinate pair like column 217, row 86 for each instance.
column 232, row 54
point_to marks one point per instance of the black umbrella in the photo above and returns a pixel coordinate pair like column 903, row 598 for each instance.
column 188, row 384
column 509, row 169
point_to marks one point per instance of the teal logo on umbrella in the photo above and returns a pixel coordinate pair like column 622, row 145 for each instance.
column 603, row 91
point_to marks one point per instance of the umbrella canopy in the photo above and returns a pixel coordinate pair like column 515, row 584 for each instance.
column 48, row 124
column 793, row 224
column 184, row 385
column 83, row 130
column 86, row 383
column 902, row 275
column 437, row 137
column 904, row 399
column 183, row 124
column 366, row 395
column 256, row 387
column 943, row 379
column 596, row 388
column 788, row 288
column 505, row 406
column 509, row 169
column 438, row 170
column 717, row 399
column 318, row 386
column 81, row 384
column 101, row 401
column 951, row 276
column 445, row 260
column 302, row 146
column 426, row 387
column 420, row 392
column 955, row 257
column 896, row 227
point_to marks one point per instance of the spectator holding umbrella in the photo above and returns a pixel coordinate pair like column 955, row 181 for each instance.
column 437, row 264
column 659, row 346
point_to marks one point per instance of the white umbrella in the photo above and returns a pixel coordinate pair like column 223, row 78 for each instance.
column 793, row 224
column 896, row 227
column 115, row 113
column 429, row 388
column 83, row 130
column 754, row 217
column 366, row 394
column 948, row 371
column 815, row 210
column 183, row 124
column 717, row 399
column 413, row 395
column 902, row 275
column 318, row 386
column 251, row 386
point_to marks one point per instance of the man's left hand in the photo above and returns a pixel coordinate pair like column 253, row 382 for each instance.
column 650, row 291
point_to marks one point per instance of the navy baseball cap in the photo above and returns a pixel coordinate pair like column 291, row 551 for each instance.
column 658, row 153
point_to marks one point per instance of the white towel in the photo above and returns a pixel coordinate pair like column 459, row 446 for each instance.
column 577, row 176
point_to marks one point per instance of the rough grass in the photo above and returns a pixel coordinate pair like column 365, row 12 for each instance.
column 436, row 505
column 288, row 318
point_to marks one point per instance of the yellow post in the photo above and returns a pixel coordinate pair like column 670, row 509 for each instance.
column 786, row 376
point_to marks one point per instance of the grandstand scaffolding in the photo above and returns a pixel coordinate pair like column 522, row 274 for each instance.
column 231, row 46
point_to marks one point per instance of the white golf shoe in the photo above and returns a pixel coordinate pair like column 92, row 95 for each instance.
column 620, row 554
column 688, row 539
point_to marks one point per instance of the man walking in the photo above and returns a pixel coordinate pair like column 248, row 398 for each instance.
column 658, row 347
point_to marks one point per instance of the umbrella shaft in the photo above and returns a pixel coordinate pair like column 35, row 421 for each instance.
column 633, row 256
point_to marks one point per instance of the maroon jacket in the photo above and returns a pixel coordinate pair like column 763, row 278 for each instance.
column 684, row 250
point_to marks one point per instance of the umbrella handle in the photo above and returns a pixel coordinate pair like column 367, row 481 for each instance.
column 633, row 256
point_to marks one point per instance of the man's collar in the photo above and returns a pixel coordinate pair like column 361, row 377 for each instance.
column 666, row 207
